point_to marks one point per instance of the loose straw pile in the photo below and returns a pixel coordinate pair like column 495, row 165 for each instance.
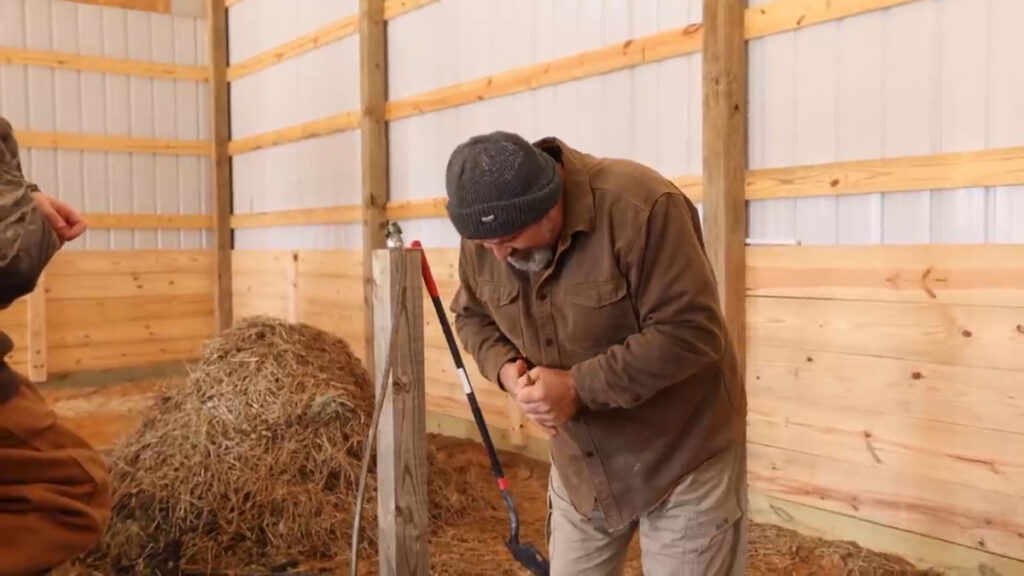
column 254, row 461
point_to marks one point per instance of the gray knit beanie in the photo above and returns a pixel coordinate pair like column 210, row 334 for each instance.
column 498, row 184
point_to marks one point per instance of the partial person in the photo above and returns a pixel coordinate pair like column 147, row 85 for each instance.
column 54, row 487
column 586, row 294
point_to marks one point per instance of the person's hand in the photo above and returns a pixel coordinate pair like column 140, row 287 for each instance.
column 66, row 223
column 551, row 398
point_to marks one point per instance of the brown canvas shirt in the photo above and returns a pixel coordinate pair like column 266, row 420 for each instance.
column 630, row 306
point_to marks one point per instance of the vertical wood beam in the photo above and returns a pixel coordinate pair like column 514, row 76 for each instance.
column 402, row 433
column 373, row 78
column 220, row 161
column 725, row 157
column 37, row 345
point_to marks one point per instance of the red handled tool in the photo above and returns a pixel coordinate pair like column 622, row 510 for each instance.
column 525, row 554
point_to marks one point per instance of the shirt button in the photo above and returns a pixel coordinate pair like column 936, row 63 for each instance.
column 549, row 341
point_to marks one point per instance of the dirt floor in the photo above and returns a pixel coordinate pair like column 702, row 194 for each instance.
column 475, row 546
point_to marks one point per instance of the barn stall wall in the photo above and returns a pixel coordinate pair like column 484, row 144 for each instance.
column 882, row 140
column 882, row 352
column 111, row 108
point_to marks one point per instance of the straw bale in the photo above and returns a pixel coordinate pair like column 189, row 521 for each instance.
column 254, row 460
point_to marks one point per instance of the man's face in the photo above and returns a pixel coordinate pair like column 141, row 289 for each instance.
column 531, row 248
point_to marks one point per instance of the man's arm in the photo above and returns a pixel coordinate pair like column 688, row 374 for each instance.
column 478, row 332
column 27, row 240
column 682, row 329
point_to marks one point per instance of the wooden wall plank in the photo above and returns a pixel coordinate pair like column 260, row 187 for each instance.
column 124, row 354
column 298, row 217
column 643, row 50
column 37, row 340
column 130, row 221
column 305, row 43
column 925, row 552
column 785, row 15
column 949, row 274
column 68, row 141
column 907, row 448
column 995, row 167
column 977, row 336
column 94, row 262
column 958, row 513
column 158, row 6
column 312, row 129
column 65, row 61
column 984, row 398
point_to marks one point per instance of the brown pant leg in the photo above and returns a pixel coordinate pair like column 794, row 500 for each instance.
column 54, row 488
column 700, row 529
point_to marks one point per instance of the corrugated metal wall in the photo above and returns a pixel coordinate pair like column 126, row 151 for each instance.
column 651, row 114
column 927, row 77
column 323, row 171
column 43, row 99
column 923, row 78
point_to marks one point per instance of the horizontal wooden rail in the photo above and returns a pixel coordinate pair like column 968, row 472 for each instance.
column 68, row 141
column 322, row 127
column 785, row 15
column 333, row 32
column 158, row 6
column 127, row 221
column 305, row 216
column 102, row 64
column 230, row 3
column 997, row 167
column 773, row 18
column 618, row 56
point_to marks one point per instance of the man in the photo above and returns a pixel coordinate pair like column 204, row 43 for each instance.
column 54, row 490
column 592, row 271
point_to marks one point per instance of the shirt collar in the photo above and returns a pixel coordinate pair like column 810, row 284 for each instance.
column 579, row 196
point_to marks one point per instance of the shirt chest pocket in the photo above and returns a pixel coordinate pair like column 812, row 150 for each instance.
column 595, row 315
column 503, row 302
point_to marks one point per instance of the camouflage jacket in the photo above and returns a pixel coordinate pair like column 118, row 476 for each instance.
column 27, row 241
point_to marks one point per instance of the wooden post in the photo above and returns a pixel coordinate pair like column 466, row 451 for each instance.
column 373, row 77
column 725, row 157
column 220, row 161
column 37, row 345
column 402, row 432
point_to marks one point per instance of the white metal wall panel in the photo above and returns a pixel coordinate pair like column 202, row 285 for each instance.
column 44, row 99
column 927, row 77
column 651, row 114
column 317, row 172
column 255, row 26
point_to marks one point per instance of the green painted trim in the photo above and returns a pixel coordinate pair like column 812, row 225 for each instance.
column 924, row 551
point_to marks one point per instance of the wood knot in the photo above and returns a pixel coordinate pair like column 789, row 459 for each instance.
column 967, row 333
column 627, row 44
column 1020, row 328
column 809, row 359
column 834, row 182
column 916, row 375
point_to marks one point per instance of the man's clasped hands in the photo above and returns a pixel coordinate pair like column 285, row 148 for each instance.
column 547, row 395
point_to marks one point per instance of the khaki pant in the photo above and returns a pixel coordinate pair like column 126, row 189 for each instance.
column 699, row 529
column 54, row 489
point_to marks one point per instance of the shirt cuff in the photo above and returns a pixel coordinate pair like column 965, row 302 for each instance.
column 491, row 365
column 591, row 385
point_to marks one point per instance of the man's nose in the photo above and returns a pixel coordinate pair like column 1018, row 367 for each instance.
column 500, row 252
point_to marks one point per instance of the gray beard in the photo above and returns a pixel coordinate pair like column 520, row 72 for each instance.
column 532, row 260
